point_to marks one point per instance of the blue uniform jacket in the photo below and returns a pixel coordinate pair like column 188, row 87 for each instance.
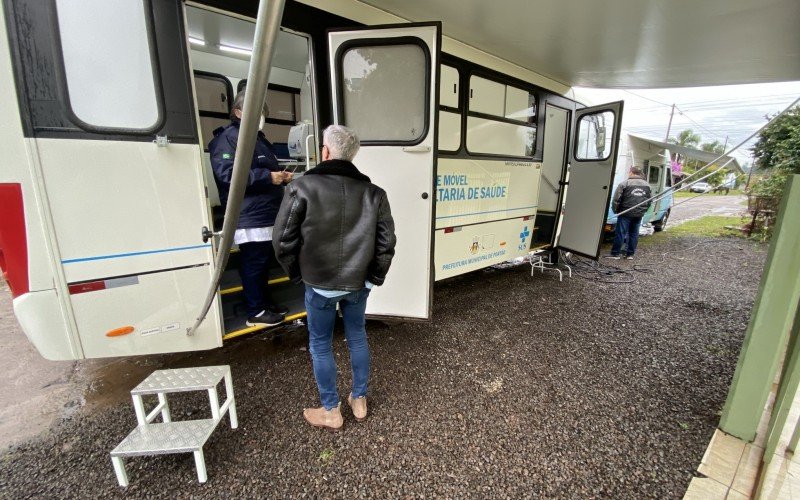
column 262, row 198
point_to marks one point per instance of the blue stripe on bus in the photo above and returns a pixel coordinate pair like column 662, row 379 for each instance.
column 133, row 254
column 481, row 213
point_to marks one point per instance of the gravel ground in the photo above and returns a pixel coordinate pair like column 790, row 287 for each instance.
column 519, row 387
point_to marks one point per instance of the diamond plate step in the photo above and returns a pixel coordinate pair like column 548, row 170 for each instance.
column 181, row 380
column 164, row 438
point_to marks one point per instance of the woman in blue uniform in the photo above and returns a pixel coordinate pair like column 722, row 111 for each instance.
column 260, row 205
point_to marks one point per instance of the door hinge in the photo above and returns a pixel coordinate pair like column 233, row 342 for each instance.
column 161, row 141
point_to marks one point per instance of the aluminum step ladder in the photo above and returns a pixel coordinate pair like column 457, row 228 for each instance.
column 166, row 437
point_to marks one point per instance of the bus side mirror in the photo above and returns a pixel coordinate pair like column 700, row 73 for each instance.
column 600, row 140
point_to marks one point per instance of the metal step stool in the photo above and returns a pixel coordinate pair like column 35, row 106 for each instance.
column 167, row 437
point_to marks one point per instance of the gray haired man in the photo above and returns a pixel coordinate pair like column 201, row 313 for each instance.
column 335, row 231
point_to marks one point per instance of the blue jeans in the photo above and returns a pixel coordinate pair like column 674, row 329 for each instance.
column 253, row 268
column 626, row 227
column 321, row 317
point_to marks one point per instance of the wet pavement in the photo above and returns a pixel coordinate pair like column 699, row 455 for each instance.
column 707, row 204
column 520, row 386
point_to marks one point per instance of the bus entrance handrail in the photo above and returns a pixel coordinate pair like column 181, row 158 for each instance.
column 268, row 22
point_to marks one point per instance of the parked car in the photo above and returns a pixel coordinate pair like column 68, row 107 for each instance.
column 701, row 187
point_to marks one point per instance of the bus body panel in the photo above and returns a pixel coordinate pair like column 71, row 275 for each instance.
column 473, row 247
column 158, row 308
column 476, row 191
column 41, row 316
column 123, row 208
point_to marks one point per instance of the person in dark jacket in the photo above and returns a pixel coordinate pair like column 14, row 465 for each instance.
column 335, row 232
column 260, row 205
column 632, row 195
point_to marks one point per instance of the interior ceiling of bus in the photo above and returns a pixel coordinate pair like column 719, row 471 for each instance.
column 626, row 43
column 215, row 30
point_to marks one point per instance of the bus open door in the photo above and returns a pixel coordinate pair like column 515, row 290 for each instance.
column 113, row 185
column 385, row 86
column 589, row 177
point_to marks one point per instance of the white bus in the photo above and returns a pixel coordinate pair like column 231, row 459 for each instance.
column 106, row 188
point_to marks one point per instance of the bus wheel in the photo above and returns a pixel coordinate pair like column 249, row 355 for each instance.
column 662, row 224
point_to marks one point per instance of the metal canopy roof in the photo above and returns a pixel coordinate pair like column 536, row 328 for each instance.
column 626, row 43
column 697, row 154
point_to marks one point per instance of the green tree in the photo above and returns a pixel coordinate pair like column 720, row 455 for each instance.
column 777, row 156
column 715, row 147
column 686, row 138
column 778, row 146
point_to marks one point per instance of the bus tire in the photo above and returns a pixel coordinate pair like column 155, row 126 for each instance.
column 660, row 225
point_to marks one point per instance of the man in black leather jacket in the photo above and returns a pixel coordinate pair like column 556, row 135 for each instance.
column 335, row 231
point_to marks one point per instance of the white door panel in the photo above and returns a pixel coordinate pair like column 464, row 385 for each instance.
column 593, row 158
column 133, row 207
column 385, row 83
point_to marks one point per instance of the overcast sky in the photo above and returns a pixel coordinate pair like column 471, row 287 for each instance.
column 735, row 111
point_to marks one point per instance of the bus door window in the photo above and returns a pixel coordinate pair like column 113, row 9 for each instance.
column 594, row 136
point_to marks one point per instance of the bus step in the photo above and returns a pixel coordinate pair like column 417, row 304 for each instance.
column 168, row 437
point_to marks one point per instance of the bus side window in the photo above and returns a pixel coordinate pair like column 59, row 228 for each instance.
column 449, row 110
column 284, row 112
column 214, row 101
column 109, row 64
column 501, row 119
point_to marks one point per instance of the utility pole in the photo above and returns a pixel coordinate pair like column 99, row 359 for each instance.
column 750, row 173
column 669, row 126
column 725, row 147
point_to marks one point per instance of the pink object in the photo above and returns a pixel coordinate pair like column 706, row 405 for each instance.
column 676, row 167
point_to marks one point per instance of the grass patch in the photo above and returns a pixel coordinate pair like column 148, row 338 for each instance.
column 710, row 226
column 326, row 455
column 688, row 194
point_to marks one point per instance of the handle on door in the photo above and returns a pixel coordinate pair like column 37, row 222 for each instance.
column 424, row 196
column 605, row 187
column 417, row 149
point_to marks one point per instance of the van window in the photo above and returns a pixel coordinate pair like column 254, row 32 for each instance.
column 654, row 174
column 110, row 75
column 594, row 136
column 385, row 80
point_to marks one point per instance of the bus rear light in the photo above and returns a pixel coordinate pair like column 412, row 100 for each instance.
column 449, row 230
column 13, row 239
